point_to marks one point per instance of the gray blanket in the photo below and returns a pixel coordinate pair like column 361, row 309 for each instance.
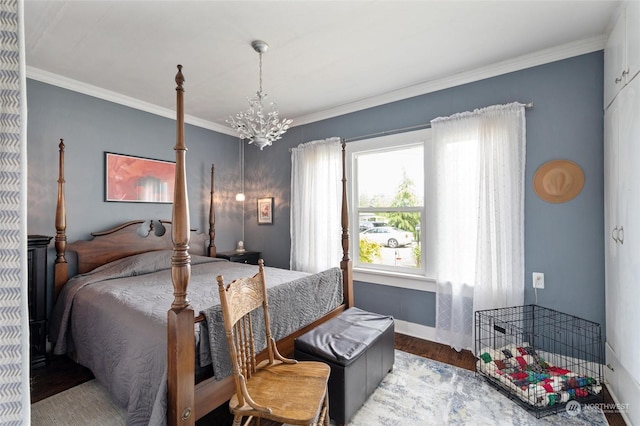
column 291, row 306
column 114, row 320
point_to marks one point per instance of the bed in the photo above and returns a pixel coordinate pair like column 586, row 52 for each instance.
column 143, row 312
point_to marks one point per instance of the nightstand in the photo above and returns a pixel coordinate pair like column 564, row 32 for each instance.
column 37, row 276
column 250, row 257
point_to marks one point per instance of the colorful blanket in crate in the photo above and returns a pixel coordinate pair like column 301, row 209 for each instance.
column 524, row 372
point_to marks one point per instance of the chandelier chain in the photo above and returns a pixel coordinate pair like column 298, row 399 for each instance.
column 260, row 55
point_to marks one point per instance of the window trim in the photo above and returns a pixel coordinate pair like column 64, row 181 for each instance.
column 422, row 279
column 394, row 279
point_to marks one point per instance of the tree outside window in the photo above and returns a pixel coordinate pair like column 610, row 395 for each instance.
column 389, row 184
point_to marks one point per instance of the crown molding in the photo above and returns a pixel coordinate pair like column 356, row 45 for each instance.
column 118, row 98
column 526, row 61
column 541, row 57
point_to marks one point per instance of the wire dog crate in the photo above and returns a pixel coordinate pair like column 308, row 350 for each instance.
column 539, row 357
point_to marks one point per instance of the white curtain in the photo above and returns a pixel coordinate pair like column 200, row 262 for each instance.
column 479, row 158
column 316, row 194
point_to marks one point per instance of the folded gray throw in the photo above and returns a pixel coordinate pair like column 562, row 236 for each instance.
column 292, row 305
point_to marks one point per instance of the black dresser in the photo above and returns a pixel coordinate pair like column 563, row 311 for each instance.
column 37, row 273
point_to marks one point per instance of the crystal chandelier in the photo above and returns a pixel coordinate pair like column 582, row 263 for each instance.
column 260, row 125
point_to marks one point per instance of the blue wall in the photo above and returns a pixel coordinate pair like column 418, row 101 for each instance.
column 565, row 241
column 89, row 127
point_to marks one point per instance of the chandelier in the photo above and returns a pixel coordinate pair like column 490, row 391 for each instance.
column 260, row 125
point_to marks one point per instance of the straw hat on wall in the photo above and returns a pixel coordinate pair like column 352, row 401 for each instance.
column 558, row 181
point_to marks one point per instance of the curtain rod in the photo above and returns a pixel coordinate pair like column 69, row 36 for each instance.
column 403, row 129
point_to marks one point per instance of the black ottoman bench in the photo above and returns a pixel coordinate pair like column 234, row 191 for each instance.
column 359, row 348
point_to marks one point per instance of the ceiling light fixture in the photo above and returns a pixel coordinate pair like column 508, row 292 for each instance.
column 261, row 126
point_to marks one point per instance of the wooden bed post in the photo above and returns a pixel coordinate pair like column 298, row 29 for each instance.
column 180, row 336
column 61, row 267
column 345, row 264
column 212, row 220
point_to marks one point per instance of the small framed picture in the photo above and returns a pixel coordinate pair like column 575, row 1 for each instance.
column 265, row 211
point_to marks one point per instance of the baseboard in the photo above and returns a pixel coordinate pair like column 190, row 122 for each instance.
column 418, row 330
column 624, row 390
column 415, row 330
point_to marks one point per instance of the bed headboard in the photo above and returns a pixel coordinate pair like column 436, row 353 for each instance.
column 134, row 237
column 138, row 236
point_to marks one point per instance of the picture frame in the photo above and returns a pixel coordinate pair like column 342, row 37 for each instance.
column 133, row 179
column 265, row 211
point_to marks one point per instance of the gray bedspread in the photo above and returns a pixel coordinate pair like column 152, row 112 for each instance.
column 113, row 320
column 292, row 305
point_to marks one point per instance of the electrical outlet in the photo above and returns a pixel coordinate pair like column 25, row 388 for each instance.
column 538, row 280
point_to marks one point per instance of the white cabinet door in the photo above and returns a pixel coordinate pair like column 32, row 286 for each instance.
column 622, row 51
column 632, row 39
column 611, row 137
column 629, row 222
column 622, row 209
column 614, row 60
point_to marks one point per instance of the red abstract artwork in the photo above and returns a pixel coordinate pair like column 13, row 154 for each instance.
column 138, row 179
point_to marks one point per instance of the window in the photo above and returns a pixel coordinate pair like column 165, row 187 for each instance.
column 388, row 199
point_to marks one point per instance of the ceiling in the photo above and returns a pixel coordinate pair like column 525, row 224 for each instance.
column 326, row 58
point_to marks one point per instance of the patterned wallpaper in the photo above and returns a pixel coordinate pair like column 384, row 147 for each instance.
column 14, row 327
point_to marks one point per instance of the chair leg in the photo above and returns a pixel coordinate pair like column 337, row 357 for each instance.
column 237, row 420
column 326, row 407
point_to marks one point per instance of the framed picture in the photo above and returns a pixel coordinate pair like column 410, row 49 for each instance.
column 137, row 179
column 265, row 211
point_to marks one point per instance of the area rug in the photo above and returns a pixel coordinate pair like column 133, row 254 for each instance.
column 87, row 404
column 421, row 392
column 418, row 392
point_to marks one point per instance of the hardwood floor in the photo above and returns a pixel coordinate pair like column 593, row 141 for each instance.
column 62, row 374
column 435, row 351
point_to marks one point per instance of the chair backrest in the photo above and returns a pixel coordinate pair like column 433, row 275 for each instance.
column 240, row 301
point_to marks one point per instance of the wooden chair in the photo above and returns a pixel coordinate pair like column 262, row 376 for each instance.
column 279, row 389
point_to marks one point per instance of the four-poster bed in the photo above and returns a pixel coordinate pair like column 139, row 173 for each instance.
column 143, row 254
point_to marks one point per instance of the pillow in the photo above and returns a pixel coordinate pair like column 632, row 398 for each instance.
column 143, row 263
